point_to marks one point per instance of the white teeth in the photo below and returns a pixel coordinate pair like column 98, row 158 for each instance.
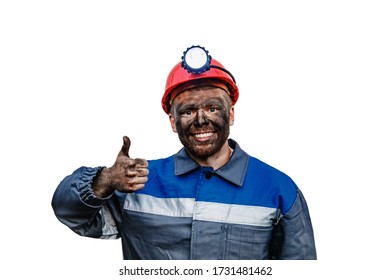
column 202, row 135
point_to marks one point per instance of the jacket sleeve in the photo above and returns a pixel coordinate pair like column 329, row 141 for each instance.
column 76, row 206
column 293, row 237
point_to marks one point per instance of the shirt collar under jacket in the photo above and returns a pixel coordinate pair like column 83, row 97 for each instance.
column 234, row 170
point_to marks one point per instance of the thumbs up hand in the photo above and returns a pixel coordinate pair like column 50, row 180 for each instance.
column 126, row 175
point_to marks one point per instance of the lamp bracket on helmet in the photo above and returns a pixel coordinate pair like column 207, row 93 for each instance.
column 196, row 60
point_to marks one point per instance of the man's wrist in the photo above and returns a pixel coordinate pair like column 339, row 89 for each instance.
column 101, row 184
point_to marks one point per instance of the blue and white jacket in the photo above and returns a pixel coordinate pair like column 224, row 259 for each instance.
column 244, row 210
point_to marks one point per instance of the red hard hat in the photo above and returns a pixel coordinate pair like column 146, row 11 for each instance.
column 179, row 76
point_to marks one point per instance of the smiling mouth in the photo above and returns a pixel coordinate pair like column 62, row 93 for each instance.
column 203, row 136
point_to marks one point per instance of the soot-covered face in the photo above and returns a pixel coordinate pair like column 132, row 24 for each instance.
column 202, row 118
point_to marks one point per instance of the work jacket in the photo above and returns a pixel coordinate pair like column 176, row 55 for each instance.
column 244, row 210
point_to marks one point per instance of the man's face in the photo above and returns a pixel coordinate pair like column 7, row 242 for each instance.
column 202, row 117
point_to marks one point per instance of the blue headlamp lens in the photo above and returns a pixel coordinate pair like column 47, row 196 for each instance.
column 196, row 60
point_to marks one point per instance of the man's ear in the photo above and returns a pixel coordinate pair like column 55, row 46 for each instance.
column 173, row 124
column 231, row 116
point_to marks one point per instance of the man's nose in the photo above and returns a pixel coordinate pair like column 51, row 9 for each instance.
column 201, row 118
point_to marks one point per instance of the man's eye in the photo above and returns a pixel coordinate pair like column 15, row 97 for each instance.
column 188, row 113
column 213, row 110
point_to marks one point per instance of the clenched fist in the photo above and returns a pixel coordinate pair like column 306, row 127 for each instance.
column 126, row 175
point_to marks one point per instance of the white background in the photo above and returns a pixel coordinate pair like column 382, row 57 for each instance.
column 75, row 76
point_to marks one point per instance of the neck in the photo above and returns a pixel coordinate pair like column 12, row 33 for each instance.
column 217, row 160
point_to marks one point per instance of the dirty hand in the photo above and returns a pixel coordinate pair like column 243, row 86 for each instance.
column 126, row 175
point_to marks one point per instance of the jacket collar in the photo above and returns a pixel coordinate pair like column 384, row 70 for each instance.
column 234, row 170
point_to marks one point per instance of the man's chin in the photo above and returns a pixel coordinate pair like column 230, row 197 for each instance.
column 202, row 151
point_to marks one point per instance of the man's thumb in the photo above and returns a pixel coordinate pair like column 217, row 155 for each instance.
column 125, row 147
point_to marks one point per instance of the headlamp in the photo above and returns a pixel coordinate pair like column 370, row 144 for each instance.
column 197, row 60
